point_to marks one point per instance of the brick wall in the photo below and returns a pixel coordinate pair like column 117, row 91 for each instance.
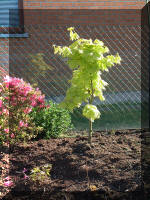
column 84, row 4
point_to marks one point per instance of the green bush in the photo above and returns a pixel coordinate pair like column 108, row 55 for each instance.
column 54, row 121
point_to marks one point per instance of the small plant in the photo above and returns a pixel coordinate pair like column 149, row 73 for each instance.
column 53, row 119
column 86, row 59
column 112, row 132
column 41, row 173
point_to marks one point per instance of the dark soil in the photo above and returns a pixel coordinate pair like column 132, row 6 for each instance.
column 110, row 169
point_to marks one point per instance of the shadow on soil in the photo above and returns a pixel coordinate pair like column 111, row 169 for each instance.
column 67, row 171
column 56, row 194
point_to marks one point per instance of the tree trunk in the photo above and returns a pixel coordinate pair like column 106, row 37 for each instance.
column 90, row 133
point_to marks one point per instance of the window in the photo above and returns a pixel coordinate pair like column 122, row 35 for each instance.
column 11, row 17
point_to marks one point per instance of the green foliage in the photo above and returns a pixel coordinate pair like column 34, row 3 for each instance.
column 39, row 67
column 53, row 120
column 41, row 173
column 91, row 112
column 38, row 61
column 88, row 59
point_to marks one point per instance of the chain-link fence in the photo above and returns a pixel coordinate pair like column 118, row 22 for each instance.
column 33, row 59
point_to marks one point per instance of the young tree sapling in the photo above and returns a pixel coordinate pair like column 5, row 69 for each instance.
column 86, row 58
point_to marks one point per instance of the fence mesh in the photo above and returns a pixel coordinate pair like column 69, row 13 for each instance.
column 33, row 59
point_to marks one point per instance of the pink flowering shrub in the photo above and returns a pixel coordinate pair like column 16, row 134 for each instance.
column 17, row 99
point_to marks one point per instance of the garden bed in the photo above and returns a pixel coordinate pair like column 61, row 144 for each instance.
column 111, row 169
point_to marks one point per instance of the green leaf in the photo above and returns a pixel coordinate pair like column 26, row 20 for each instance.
column 91, row 112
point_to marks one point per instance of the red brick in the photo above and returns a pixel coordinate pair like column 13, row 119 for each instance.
column 85, row 4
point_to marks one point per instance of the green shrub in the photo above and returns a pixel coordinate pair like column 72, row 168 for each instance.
column 53, row 120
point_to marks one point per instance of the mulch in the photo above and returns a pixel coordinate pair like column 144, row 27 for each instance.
column 110, row 169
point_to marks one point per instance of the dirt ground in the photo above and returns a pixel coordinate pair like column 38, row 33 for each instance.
column 108, row 169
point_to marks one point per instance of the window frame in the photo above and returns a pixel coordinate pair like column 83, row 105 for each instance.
column 20, row 28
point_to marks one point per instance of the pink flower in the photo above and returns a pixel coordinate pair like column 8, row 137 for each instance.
column 34, row 103
column 6, row 130
column 25, row 176
column 26, row 125
column 33, row 97
column 1, row 102
column 27, row 110
column 13, row 98
column 7, row 178
column 26, row 90
column 12, row 82
column 42, row 106
column 22, row 124
column 23, row 99
column 12, row 135
column 37, row 89
column 8, row 183
column 5, row 111
column 14, row 104
column 41, row 99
